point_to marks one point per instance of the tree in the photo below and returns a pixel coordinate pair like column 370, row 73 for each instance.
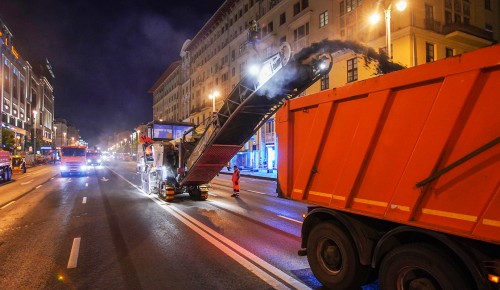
column 8, row 140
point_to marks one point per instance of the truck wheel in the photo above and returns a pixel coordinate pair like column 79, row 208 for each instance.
column 334, row 259
column 420, row 266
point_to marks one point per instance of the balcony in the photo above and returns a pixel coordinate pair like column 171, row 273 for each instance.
column 301, row 43
column 431, row 24
column 468, row 34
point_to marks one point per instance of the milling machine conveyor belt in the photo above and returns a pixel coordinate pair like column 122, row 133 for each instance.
column 251, row 103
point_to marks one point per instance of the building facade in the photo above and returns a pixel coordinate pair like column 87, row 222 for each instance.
column 218, row 55
column 26, row 94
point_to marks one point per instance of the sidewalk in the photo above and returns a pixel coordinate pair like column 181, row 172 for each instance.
column 260, row 173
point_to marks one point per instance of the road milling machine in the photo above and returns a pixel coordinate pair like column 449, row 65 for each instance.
column 182, row 161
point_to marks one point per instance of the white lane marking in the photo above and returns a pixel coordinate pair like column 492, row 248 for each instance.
column 51, row 178
column 7, row 204
column 38, row 186
column 104, row 179
column 255, row 191
column 212, row 194
column 230, row 248
column 23, row 183
column 84, row 200
column 290, row 219
column 86, row 184
column 73, row 256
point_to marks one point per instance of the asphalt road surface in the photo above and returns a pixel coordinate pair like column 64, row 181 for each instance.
column 102, row 232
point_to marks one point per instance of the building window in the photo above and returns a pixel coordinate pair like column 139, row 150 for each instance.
column 6, row 78
column 342, row 8
column 323, row 19
column 487, row 4
column 301, row 32
column 325, row 82
column 352, row 70
column 282, row 18
column 283, row 39
column 270, row 27
column 449, row 52
column 429, row 52
column 300, row 6
column 296, row 8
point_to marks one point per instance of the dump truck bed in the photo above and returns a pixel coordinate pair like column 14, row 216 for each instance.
column 417, row 146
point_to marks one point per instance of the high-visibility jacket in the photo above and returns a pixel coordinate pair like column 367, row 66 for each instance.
column 145, row 139
column 236, row 179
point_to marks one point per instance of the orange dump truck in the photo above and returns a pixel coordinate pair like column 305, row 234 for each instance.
column 402, row 172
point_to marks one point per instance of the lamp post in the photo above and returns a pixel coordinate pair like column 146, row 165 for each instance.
column 34, row 133
column 66, row 140
column 17, row 143
column 72, row 141
column 212, row 96
column 400, row 6
column 55, row 136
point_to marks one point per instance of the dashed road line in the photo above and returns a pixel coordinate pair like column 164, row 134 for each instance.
column 73, row 256
column 23, row 183
column 84, row 200
column 7, row 204
column 38, row 186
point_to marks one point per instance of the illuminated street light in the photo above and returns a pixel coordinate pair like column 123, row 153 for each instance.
column 65, row 138
column 374, row 18
column 212, row 96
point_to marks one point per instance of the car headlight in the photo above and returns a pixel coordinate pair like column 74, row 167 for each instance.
column 63, row 168
column 88, row 161
column 98, row 160
column 83, row 167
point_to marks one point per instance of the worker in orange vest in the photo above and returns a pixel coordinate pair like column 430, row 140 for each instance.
column 236, row 182
column 146, row 146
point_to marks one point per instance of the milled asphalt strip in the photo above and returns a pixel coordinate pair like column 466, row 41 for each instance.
column 225, row 245
column 73, row 256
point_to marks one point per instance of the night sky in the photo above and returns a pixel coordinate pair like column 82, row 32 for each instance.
column 105, row 54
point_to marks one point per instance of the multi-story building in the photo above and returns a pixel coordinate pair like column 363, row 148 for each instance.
column 27, row 100
column 217, row 57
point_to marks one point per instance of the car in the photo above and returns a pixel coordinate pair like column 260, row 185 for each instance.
column 18, row 164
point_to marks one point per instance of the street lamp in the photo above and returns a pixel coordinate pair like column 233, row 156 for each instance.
column 212, row 96
column 72, row 141
column 400, row 6
column 34, row 133
column 65, row 139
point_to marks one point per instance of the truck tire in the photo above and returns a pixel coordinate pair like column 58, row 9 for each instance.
column 334, row 259
column 421, row 266
column 8, row 174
